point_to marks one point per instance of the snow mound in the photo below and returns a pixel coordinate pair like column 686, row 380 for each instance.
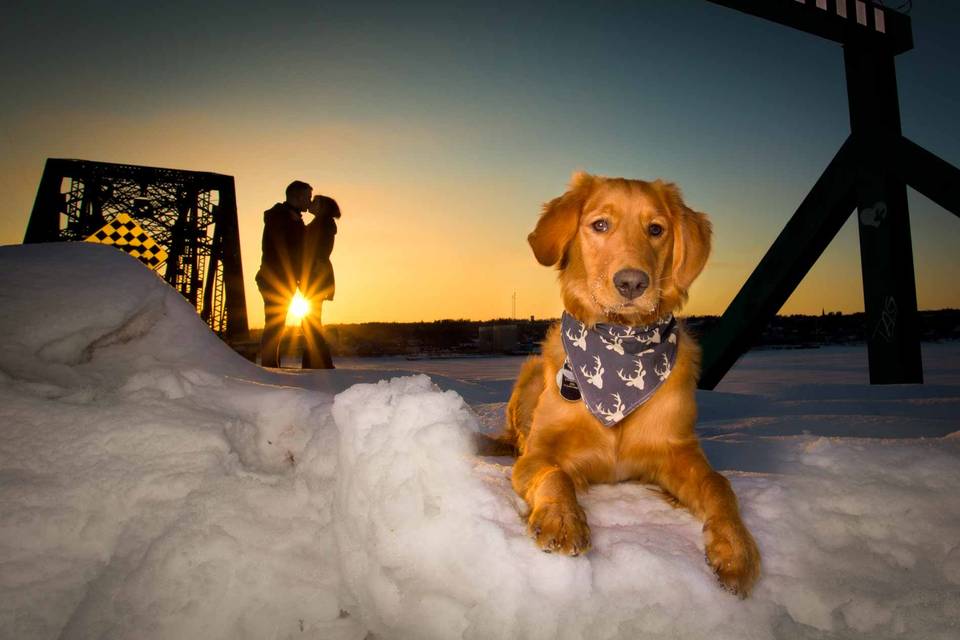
column 432, row 545
column 153, row 484
column 431, row 541
column 79, row 313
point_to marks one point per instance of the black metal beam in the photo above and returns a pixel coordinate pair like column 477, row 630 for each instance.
column 804, row 238
column 234, row 291
column 886, row 252
column 870, row 172
column 837, row 20
column 138, row 173
column 935, row 178
column 44, row 223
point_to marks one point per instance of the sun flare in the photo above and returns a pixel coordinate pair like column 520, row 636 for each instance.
column 299, row 307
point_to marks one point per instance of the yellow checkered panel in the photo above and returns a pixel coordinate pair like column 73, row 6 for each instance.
column 124, row 233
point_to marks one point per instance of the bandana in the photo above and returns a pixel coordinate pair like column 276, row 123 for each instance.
column 615, row 368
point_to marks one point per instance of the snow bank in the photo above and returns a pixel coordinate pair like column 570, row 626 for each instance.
column 432, row 545
column 860, row 539
column 155, row 485
column 151, row 478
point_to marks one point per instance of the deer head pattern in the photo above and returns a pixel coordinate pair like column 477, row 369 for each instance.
column 608, row 364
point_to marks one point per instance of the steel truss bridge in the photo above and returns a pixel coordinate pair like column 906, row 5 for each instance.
column 191, row 215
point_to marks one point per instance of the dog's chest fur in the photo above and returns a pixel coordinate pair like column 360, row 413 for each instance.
column 617, row 453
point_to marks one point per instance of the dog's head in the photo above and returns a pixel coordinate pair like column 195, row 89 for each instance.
column 627, row 250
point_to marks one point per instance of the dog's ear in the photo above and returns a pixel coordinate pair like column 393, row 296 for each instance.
column 558, row 222
column 691, row 238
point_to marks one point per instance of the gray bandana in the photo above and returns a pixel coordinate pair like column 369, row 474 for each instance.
column 615, row 368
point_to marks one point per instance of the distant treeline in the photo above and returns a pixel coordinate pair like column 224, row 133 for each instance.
column 836, row 328
column 462, row 337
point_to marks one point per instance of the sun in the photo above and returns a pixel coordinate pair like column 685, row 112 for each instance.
column 299, row 307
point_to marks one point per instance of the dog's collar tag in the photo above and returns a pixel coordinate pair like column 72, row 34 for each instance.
column 567, row 383
column 612, row 368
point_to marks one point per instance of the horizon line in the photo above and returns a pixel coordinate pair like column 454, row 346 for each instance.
column 557, row 318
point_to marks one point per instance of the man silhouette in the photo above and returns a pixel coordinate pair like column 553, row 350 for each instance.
column 281, row 265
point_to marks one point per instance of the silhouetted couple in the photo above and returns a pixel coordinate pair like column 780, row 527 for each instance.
column 297, row 255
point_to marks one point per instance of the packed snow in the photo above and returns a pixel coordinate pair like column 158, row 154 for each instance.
column 153, row 484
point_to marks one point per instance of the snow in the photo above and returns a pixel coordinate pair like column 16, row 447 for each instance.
column 153, row 484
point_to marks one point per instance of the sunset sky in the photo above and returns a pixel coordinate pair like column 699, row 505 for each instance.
column 440, row 128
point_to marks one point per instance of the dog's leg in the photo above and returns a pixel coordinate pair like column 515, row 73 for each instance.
column 500, row 445
column 556, row 521
column 523, row 400
column 730, row 549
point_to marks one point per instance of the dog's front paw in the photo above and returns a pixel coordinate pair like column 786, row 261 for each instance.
column 561, row 527
column 732, row 553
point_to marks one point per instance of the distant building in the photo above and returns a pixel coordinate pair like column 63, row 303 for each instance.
column 498, row 338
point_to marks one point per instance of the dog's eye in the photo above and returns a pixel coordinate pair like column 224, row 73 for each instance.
column 600, row 225
column 655, row 230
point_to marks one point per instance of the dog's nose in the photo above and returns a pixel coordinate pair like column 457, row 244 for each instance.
column 631, row 282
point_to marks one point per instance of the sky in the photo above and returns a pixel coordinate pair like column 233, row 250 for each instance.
column 441, row 128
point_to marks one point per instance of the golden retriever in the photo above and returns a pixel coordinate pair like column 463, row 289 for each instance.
column 600, row 229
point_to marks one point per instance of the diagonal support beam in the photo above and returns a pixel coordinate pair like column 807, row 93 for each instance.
column 935, row 178
column 804, row 238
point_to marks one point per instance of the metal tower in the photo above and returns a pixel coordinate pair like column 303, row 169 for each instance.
column 870, row 172
column 191, row 215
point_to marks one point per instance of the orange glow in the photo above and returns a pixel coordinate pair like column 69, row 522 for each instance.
column 299, row 307
column 422, row 243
